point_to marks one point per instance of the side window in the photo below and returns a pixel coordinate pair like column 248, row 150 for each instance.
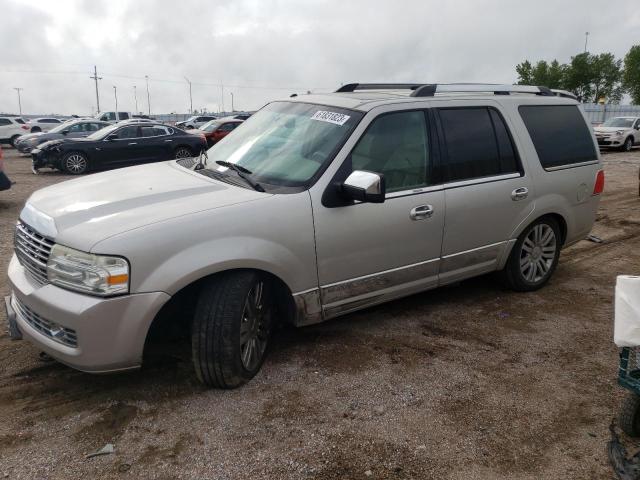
column 128, row 132
column 559, row 133
column 92, row 127
column 19, row 120
column 123, row 115
column 227, row 127
column 637, row 124
column 5, row 121
column 78, row 127
column 477, row 144
column 153, row 131
column 396, row 146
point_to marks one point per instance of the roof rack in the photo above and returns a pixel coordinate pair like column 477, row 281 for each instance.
column 430, row 89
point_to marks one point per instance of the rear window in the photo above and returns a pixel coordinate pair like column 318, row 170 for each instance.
column 5, row 121
column 477, row 144
column 559, row 133
column 19, row 120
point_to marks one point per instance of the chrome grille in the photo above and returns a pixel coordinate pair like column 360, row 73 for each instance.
column 58, row 333
column 32, row 250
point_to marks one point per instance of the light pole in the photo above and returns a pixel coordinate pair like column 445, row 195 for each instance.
column 115, row 94
column 190, row 97
column 146, row 77
column 586, row 39
column 232, row 109
column 135, row 97
column 18, row 89
column 96, row 78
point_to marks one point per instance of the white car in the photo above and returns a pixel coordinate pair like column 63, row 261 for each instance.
column 195, row 122
column 11, row 128
column 43, row 124
column 619, row 132
column 114, row 117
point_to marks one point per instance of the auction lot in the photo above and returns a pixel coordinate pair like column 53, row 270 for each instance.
column 468, row 381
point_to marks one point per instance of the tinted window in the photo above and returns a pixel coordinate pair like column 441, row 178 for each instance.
column 49, row 120
column 93, row 127
column 637, row 125
column 153, row 131
column 19, row 120
column 559, row 133
column 78, row 127
column 227, row 127
column 128, row 132
column 5, row 121
column 123, row 115
column 395, row 145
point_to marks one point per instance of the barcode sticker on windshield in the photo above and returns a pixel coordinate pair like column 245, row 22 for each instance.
column 331, row 117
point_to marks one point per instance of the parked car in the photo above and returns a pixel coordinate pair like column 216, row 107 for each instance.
column 143, row 117
column 5, row 183
column 116, row 146
column 216, row 130
column 43, row 124
column 70, row 129
column 114, row 117
column 242, row 116
column 11, row 128
column 318, row 206
column 619, row 132
column 195, row 122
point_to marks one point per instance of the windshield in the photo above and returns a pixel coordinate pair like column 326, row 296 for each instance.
column 210, row 126
column 63, row 126
column 100, row 134
column 618, row 122
column 286, row 143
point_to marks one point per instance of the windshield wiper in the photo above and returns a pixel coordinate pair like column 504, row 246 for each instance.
column 243, row 173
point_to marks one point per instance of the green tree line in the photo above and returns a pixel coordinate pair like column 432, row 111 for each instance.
column 592, row 77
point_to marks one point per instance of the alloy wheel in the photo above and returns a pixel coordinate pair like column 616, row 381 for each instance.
column 253, row 327
column 183, row 153
column 76, row 163
column 538, row 253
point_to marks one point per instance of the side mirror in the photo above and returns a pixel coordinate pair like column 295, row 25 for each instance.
column 111, row 137
column 364, row 186
column 64, row 132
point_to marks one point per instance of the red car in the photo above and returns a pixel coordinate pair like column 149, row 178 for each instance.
column 216, row 130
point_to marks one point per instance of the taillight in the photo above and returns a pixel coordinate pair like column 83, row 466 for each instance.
column 598, row 188
column 24, row 127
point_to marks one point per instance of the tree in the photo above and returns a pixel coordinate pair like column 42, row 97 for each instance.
column 631, row 73
column 595, row 77
column 545, row 74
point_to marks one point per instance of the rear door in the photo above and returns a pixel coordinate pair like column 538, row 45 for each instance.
column 154, row 143
column 123, row 149
column 487, row 192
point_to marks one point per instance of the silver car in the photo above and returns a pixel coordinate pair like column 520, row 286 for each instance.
column 315, row 207
column 619, row 132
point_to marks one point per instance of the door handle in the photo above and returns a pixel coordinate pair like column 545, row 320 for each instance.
column 421, row 212
column 133, row 143
column 519, row 194
column 168, row 140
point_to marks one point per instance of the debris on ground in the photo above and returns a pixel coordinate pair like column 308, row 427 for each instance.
column 594, row 238
column 106, row 450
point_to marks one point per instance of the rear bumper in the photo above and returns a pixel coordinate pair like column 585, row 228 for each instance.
column 110, row 332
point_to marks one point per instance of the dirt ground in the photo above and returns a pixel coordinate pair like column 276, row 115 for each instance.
column 469, row 381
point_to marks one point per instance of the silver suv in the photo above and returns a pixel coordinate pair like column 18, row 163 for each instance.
column 315, row 207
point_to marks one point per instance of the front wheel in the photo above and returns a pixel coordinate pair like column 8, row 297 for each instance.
column 75, row 163
column 13, row 140
column 534, row 256
column 232, row 328
column 627, row 145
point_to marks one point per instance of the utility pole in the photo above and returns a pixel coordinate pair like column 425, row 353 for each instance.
column 190, row 97
column 586, row 39
column 96, row 78
column 18, row 89
column 135, row 97
column 115, row 94
column 222, row 96
column 146, row 77
column 232, row 109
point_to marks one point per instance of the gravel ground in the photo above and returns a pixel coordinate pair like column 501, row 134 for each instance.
column 469, row 381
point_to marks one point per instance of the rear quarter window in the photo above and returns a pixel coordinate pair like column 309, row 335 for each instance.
column 559, row 133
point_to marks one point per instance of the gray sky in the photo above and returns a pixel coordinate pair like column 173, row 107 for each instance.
column 266, row 49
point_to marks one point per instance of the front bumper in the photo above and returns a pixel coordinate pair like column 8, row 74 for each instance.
column 110, row 332
column 24, row 147
column 610, row 141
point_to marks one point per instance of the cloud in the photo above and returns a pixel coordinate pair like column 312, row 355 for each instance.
column 262, row 50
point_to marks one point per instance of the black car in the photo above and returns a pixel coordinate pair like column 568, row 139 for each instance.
column 116, row 146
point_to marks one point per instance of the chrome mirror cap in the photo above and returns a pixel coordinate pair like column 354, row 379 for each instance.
column 365, row 186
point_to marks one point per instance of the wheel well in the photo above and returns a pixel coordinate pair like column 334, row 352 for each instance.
column 183, row 146
column 174, row 318
column 561, row 223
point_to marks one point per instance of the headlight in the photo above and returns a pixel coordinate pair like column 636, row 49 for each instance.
column 619, row 132
column 88, row 273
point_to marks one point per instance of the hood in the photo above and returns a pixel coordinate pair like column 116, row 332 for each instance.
column 84, row 211
column 610, row 129
column 30, row 136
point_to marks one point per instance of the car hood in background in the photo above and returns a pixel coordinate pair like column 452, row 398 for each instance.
column 610, row 129
column 30, row 136
column 92, row 208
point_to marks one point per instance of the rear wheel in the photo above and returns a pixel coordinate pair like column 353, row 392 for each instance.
column 629, row 417
column 534, row 256
column 75, row 163
column 627, row 145
column 183, row 152
column 36, row 130
column 232, row 328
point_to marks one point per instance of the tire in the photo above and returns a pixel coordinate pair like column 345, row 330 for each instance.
column 627, row 145
column 182, row 152
column 223, row 321
column 13, row 140
column 629, row 416
column 534, row 256
column 75, row 163
column 36, row 130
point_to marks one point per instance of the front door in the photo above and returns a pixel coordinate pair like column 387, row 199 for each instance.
column 368, row 253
